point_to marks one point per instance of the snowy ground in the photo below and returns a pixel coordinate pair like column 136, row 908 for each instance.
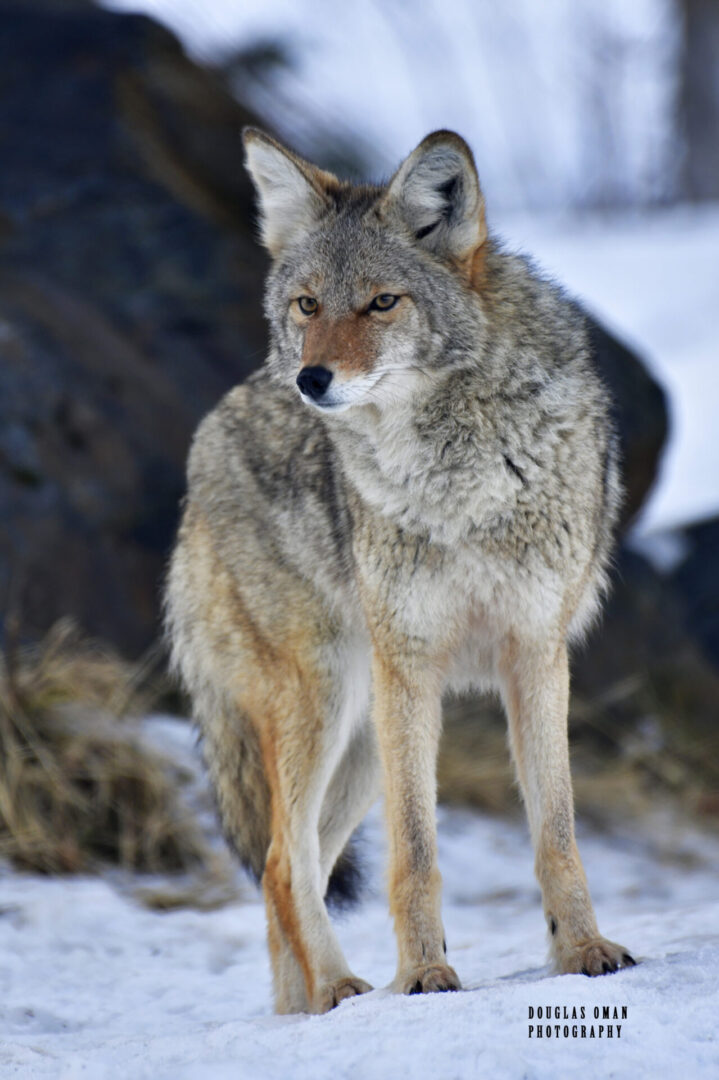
column 94, row 985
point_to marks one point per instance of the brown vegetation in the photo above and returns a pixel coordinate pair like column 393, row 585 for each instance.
column 78, row 788
column 642, row 744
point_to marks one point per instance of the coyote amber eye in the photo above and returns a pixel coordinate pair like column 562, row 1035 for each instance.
column 383, row 302
column 307, row 305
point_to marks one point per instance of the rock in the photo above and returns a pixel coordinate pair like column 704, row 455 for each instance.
column 645, row 648
column 696, row 579
column 640, row 412
column 130, row 300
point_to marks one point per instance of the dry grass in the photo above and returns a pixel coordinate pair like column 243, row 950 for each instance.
column 474, row 765
column 78, row 788
column 213, row 889
column 638, row 746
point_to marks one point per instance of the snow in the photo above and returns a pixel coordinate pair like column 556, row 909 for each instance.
column 564, row 103
column 94, row 985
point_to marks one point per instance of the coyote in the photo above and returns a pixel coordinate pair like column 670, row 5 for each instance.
column 416, row 493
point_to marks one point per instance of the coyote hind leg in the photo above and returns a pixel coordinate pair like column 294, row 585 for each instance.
column 231, row 749
column 306, row 729
column 536, row 694
column 293, row 881
column 353, row 788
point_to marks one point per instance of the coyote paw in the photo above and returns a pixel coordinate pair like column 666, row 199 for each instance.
column 429, row 979
column 596, row 957
column 330, row 995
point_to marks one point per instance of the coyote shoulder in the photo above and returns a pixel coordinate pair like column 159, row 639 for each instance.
column 416, row 492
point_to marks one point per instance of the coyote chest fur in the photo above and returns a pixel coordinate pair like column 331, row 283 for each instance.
column 417, row 492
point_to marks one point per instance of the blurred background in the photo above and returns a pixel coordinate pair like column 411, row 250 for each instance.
column 130, row 300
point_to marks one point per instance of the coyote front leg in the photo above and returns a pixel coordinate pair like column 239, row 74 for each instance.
column 407, row 713
column 536, row 693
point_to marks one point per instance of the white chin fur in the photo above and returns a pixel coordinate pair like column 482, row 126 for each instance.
column 326, row 406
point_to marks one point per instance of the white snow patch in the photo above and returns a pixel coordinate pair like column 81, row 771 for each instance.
column 666, row 549
column 563, row 103
column 93, row 985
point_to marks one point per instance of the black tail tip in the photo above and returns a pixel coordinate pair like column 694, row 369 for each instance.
column 345, row 886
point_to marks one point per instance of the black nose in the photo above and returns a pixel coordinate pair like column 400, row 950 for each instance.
column 313, row 381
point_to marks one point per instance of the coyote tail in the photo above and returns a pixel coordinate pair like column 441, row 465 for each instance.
column 242, row 797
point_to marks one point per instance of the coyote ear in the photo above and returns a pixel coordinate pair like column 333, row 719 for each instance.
column 293, row 194
column 436, row 194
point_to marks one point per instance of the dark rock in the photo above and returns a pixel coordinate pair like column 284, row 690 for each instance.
column 645, row 648
column 698, row 104
column 130, row 289
column 697, row 580
column 129, row 302
column 641, row 415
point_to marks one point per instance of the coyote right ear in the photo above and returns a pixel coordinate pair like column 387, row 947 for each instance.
column 293, row 194
column 437, row 196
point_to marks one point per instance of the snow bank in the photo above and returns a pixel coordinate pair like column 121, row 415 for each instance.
column 93, row 985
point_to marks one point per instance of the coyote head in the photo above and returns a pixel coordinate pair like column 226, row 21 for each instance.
column 374, row 290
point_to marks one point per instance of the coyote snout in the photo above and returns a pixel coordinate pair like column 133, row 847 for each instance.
column 336, row 574
column 313, row 382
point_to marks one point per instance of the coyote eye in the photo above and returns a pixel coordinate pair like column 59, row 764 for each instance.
column 307, row 305
column 383, row 302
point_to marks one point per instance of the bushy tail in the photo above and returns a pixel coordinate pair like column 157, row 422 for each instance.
column 344, row 888
column 242, row 796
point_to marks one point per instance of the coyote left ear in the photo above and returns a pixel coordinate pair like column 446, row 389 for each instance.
column 436, row 194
